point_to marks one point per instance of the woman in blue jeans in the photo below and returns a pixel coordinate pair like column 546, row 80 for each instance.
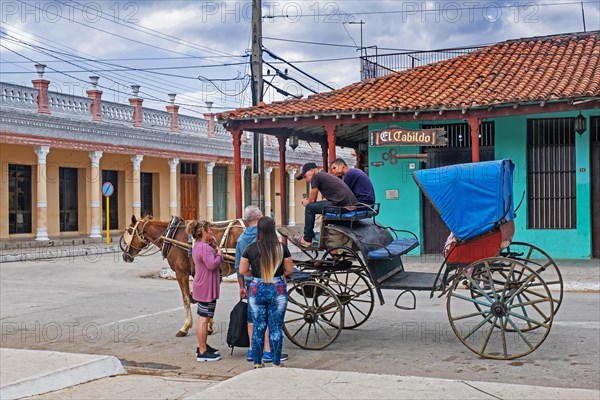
column 268, row 262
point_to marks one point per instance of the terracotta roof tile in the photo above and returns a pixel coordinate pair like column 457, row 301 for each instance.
column 524, row 70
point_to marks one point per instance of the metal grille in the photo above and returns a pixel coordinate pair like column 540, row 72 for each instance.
column 551, row 173
column 373, row 66
column 459, row 135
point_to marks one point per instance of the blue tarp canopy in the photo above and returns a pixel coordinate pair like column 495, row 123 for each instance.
column 471, row 198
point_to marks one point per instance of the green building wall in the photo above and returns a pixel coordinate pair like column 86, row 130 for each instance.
column 510, row 142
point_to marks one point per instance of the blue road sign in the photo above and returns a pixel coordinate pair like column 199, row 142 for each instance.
column 107, row 189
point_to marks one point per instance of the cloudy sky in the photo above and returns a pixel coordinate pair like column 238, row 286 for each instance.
column 199, row 49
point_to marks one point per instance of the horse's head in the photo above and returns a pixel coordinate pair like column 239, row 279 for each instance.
column 134, row 239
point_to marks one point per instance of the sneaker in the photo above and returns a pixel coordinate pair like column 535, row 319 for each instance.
column 207, row 356
column 268, row 357
column 257, row 366
column 249, row 355
column 208, row 349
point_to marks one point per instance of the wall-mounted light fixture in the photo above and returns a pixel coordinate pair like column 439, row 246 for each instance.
column 293, row 141
column 580, row 124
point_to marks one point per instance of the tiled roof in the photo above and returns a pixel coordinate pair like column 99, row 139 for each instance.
column 539, row 69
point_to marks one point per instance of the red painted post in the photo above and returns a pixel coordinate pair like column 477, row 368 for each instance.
column 42, row 99
column 330, row 129
column 174, row 111
column 282, row 190
column 474, row 124
column 324, row 155
column 237, row 167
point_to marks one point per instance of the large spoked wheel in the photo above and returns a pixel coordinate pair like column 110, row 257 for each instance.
column 542, row 263
column 355, row 294
column 351, row 286
column 314, row 317
column 514, row 308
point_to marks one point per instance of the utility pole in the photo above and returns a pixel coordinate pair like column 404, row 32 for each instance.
column 257, row 96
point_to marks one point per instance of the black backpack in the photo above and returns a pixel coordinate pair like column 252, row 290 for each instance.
column 237, row 333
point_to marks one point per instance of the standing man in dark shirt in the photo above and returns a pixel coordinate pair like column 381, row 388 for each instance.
column 333, row 189
column 357, row 181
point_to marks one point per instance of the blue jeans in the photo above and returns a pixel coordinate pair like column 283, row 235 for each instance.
column 268, row 302
column 312, row 209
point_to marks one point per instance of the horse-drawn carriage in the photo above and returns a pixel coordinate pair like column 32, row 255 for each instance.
column 501, row 295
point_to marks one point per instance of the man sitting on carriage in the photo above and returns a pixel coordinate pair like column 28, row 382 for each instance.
column 357, row 181
column 334, row 191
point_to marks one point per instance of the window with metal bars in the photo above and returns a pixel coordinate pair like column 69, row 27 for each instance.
column 459, row 135
column 551, row 173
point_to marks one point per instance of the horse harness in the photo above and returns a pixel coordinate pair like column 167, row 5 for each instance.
column 178, row 222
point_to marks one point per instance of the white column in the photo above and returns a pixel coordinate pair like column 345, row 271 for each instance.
column 42, row 201
column 292, row 203
column 136, row 202
column 243, row 175
column 173, row 163
column 95, row 189
column 209, row 190
column 267, row 191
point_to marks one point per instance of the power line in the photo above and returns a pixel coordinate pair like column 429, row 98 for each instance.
column 455, row 7
column 36, row 6
column 296, row 68
column 151, row 97
column 56, row 49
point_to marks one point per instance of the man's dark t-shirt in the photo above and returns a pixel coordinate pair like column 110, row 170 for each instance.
column 361, row 186
column 253, row 256
column 333, row 189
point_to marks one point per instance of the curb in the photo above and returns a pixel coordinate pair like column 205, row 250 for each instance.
column 62, row 370
column 50, row 252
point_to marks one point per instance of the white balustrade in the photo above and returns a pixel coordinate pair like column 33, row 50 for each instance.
column 153, row 119
column 18, row 96
column 194, row 126
column 116, row 112
column 61, row 103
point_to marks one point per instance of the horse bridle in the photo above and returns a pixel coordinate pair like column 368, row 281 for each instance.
column 127, row 237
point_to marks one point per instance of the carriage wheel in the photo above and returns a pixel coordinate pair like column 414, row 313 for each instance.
column 351, row 286
column 314, row 317
column 514, row 308
column 542, row 263
column 355, row 293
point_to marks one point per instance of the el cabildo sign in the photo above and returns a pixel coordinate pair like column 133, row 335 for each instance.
column 395, row 136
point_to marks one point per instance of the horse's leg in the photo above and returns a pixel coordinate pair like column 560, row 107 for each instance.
column 184, row 285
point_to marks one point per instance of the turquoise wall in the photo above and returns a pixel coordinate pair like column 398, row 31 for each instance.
column 510, row 142
column 404, row 213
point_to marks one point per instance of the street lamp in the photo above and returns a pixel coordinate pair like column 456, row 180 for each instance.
column 580, row 124
column 293, row 141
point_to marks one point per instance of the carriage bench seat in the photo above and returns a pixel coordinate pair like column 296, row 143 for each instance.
column 396, row 248
column 335, row 213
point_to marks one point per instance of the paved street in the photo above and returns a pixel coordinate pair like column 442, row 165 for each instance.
column 100, row 305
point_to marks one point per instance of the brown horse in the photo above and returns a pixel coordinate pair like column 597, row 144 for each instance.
column 147, row 231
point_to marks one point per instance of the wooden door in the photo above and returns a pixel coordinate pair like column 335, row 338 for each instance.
column 458, row 151
column 188, row 186
column 595, row 177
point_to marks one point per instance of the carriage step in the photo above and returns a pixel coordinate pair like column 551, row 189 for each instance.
column 396, row 248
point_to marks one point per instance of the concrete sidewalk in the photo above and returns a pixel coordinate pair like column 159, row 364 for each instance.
column 269, row 382
column 291, row 383
column 26, row 373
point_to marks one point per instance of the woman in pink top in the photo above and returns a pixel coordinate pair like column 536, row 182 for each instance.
column 207, row 280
